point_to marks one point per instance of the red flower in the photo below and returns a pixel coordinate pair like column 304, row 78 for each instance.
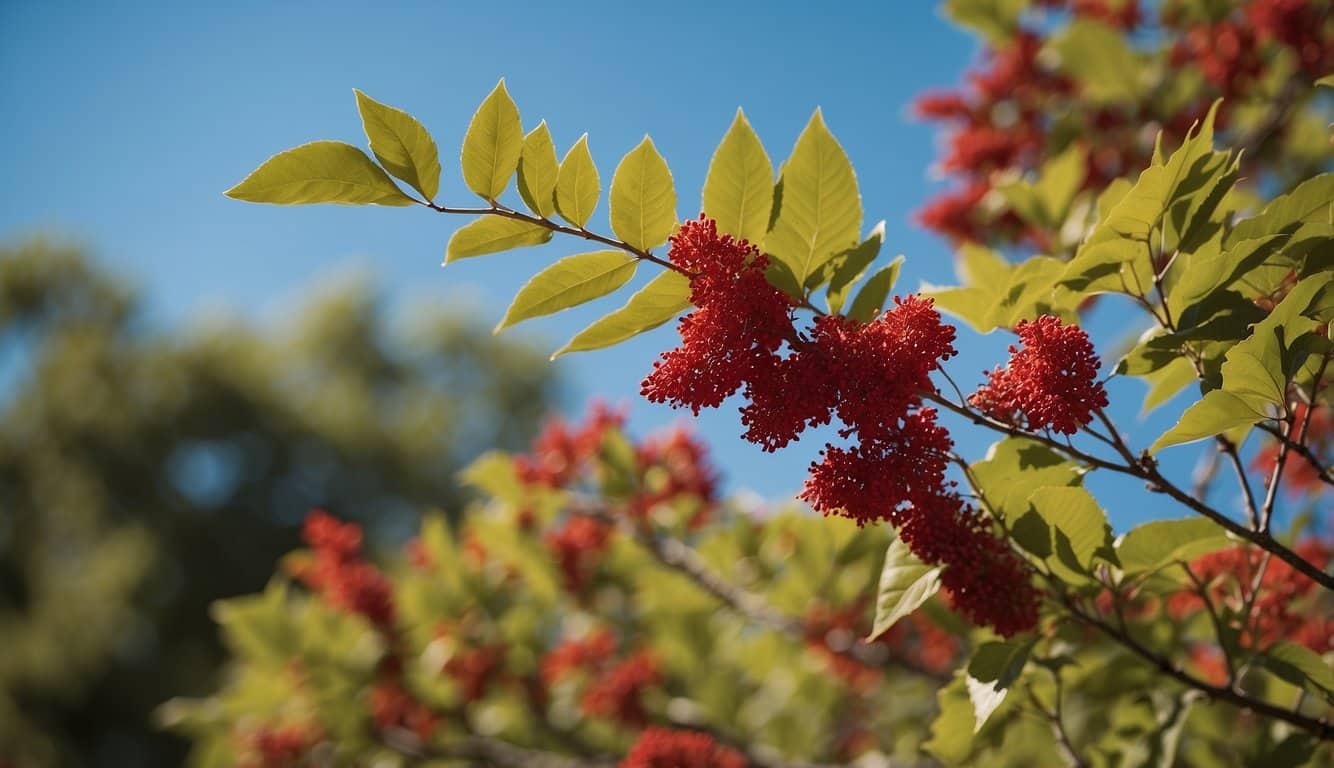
column 674, row 465
column 577, row 548
column 1051, row 380
column 474, row 669
column 278, row 746
column 573, row 655
column 560, row 450
column 393, row 707
column 952, row 213
column 740, row 320
column 618, row 693
column 942, row 105
column 791, row 394
column 338, row 573
column 666, row 748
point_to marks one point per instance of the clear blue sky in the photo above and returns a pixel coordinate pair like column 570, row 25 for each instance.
column 124, row 122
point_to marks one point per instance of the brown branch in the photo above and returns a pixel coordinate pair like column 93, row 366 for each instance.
column 1144, row 468
column 1321, row 729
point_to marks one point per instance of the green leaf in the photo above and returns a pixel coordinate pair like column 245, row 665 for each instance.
column 1327, row 81
column 993, row 669
column 995, row 20
column 643, row 200
column 1101, row 60
column 1217, row 412
column 538, row 168
column 905, row 583
column 493, row 144
column 401, row 144
column 320, row 172
column 849, row 266
column 577, row 184
column 1166, row 382
column 493, row 234
column 1078, row 525
column 657, row 302
column 1016, row 467
column 952, row 731
column 1300, row 666
column 569, row 282
column 871, row 298
column 1254, row 370
column 1159, row 542
column 739, row 188
column 1310, row 201
column 821, row 210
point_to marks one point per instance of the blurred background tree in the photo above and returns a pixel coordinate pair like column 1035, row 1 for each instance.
column 145, row 473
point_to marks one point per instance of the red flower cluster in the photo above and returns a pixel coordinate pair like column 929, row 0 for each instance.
column 340, row 575
column 393, row 707
column 618, row 693
column 559, row 452
column 666, row 748
column 739, row 322
column 574, row 655
column 577, row 548
column 1017, row 109
column 1051, row 381
column 1275, row 613
column 277, row 746
column 831, row 632
column 615, row 689
column 674, row 465
column 474, row 669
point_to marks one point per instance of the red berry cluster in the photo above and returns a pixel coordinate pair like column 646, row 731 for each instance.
column 392, row 707
column 340, row 575
column 830, row 632
column 674, row 465
column 667, row 748
column 1276, row 612
column 1051, row 381
column 872, row 375
column 560, row 451
column 577, row 547
column 1017, row 109
column 614, row 688
column 277, row 746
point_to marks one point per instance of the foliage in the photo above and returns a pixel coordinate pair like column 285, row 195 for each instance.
column 145, row 474
column 565, row 621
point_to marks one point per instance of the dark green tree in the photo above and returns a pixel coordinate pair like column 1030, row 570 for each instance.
column 145, row 473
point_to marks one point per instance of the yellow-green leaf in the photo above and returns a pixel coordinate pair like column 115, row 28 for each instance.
column 320, row 172
column 493, row 144
column 739, row 188
column 492, row 234
column 1159, row 542
column 849, row 266
column 871, row 298
column 569, row 282
column 1101, row 60
column 537, row 171
column 577, row 182
column 905, row 583
column 1215, row 413
column 657, row 302
column 642, row 199
column 820, row 212
column 401, row 144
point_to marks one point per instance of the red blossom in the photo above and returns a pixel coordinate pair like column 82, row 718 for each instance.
column 577, row 548
column 618, row 692
column 474, row 669
column 338, row 573
column 393, row 707
column 560, row 450
column 674, row 465
column 573, row 655
column 666, row 748
column 278, row 746
column 1051, row 380
column 792, row 394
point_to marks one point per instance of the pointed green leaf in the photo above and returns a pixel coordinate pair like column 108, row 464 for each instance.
column 993, row 669
column 577, row 184
column 952, row 731
column 537, row 171
column 643, row 199
column 1312, row 200
column 1159, row 542
column 320, row 172
column 1302, row 667
column 905, row 583
column 569, row 282
column 849, row 266
column 492, row 145
column 660, row 300
column 1079, row 526
column 401, row 144
column 739, row 188
column 1327, row 81
column 871, row 298
column 1016, row 467
column 821, row 210
column 1217, row 412
column 493, row 234
column 1100, row 58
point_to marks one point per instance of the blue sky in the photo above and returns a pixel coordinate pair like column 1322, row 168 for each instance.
column 125, row 122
